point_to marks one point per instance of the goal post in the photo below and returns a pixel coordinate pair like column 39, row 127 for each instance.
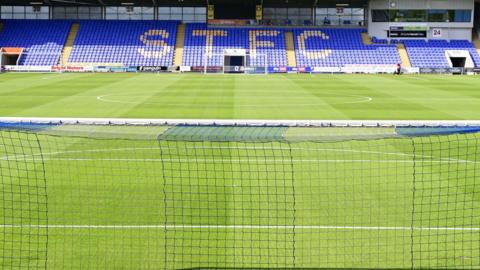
column 239, row 194
column 213, row 63
column 256, row 63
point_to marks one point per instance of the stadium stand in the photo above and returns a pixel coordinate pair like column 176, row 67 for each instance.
column 42, row 40
column 339, row 48
column 166, row 43
column 431, row 54
column 199, row 40
column 134, row 43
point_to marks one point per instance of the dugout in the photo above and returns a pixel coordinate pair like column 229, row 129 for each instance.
column 10, row 56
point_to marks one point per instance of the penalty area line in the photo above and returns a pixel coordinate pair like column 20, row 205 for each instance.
column 257, row 160
column 234, row 227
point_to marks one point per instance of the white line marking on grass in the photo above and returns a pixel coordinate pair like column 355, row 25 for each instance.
column 106, row 150
column 258, row 160
column 234, row 227
column 362, row 99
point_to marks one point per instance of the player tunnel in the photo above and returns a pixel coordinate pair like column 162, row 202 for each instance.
column 459, row 59
column 234, row 61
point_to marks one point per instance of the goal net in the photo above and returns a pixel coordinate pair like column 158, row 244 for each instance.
column 131, row 194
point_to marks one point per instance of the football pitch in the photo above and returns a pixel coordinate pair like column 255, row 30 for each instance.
column 241, row 97
column 184, row 197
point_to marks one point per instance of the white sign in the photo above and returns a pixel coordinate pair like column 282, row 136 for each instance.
column 371, row 69
column 412, row 70
column 235, row 52
column 326, row 69
column 436, row 32
column 29, row 68
column 185, row 68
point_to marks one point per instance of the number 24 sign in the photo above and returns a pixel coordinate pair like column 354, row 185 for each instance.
column 436, row 32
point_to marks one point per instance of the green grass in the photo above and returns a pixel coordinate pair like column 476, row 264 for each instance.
column 299, row 193
column 240, row 97
column 294, row 198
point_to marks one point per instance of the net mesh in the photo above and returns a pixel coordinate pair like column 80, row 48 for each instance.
column 208, row 197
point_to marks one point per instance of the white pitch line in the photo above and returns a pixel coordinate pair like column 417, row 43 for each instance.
column 361, row 99
column 106, row 150
column 259, row 227
column 420, row 158
column 256, row 161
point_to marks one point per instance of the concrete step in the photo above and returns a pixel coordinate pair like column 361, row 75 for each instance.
column 179, row 44
column 367, row 40
column 67, row 49
column 402, row 52
column 476, row 41
column 290, row 46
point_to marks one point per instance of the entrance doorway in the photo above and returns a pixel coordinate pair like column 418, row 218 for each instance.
column 10, row 56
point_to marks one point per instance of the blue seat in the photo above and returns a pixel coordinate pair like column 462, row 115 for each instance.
column 339, row 48
column 131, row 43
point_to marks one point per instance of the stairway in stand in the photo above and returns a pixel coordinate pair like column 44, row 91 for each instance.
column 367, row 40
column 179, row 44
column 67, row 49
column 290, row 46
column 476, row 41
column 402, row 52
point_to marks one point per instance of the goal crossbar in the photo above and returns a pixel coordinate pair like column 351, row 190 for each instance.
column 240, row 122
